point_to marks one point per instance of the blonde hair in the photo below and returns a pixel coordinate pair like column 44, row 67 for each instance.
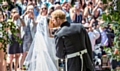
column 58, row 14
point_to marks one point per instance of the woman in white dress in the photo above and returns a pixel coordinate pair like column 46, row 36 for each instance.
column 41, row 55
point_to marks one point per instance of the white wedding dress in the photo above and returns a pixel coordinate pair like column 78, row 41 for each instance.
column 41, row 55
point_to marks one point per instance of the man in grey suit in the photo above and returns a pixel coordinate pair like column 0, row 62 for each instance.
column 72, row 44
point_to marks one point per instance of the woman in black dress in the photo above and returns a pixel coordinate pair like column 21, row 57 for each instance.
column 14, row 48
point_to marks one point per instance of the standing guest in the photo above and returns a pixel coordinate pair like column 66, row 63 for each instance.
column 6, row 11
column 14, row 49
column 28, row 32
column 72, row 44
column 88, row 12
column 66, row 8
column 36, row 9
column 13, row 4
column 50, row 10
column 103, row 37
column 98, row 10
column 76, row 13
column 2, row 61
column 93, row 34
column 23, row 5
column 39, row 2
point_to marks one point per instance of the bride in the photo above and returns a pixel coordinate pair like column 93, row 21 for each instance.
column 41, row 55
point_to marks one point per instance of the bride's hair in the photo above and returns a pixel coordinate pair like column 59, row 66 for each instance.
column 50, row 24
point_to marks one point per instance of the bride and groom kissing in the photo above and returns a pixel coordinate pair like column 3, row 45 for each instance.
column 71, row 42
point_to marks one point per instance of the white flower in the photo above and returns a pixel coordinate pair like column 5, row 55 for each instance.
column 1, row 34
column 0, row 25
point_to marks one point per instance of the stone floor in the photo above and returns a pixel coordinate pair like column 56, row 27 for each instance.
column 61, row 69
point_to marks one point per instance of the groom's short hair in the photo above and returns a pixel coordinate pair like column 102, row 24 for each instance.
column 59, row 14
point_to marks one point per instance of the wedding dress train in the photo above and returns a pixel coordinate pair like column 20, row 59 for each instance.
column 41, row 55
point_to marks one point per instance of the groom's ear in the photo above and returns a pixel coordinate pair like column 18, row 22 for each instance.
column 58, row 19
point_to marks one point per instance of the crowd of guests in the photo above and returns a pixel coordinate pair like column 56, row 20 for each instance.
column 26, row 13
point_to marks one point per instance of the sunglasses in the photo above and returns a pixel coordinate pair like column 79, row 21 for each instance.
column 44, row 8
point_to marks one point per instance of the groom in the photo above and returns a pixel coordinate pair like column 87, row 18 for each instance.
column 72, row 44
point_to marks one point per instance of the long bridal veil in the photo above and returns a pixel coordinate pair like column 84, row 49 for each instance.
column 41, row 55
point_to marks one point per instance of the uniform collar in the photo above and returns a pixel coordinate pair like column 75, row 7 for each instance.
column 65, row 24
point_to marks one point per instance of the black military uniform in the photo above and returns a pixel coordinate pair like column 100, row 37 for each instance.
column 71, row 39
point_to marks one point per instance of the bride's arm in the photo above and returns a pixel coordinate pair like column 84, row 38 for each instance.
column 51, row 28
column 50, row 33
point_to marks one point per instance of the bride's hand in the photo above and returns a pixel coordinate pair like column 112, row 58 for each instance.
column 52, row 31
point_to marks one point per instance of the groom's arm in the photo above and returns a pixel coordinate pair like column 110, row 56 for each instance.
column 60, row 49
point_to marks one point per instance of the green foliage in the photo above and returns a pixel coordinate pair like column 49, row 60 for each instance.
column 4, row 26
column 118, row 44
column 116, row 39
column 5, row 40
column 0, row 1
column 113, row 18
